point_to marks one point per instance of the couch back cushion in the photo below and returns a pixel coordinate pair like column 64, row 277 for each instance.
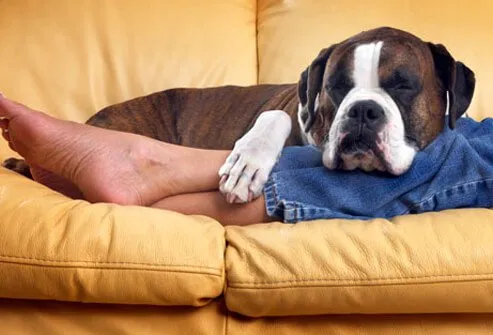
column 71, row 58
column 291, row 33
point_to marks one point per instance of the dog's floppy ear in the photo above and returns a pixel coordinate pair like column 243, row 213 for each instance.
column 457, row 78
column 310, row 84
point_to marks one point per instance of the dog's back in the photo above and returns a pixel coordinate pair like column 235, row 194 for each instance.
column 212, row 118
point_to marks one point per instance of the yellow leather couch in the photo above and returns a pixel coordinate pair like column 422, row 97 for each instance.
column 70, row 267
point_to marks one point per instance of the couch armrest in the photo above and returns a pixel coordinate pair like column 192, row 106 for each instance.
column 428, row 263
column 52, row 247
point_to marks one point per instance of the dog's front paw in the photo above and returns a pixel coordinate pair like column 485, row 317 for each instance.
column 246, row 170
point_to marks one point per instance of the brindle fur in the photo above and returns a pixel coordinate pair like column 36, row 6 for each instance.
column 210, row 118
column 214, row 118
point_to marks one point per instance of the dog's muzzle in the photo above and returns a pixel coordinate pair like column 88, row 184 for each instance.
column 368, row 133
column 359, row 139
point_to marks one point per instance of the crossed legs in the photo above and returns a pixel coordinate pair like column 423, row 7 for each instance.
column 101, row 165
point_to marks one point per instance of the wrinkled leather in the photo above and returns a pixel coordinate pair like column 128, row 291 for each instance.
column 52, row 247
column 427, row 263
column 48, row 317
column 71, row 58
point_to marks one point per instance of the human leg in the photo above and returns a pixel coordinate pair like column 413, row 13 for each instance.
column 110, row 166
column 212, row 204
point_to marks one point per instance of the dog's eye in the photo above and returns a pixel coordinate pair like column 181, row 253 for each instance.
column 338, row 87
column 337, row 91
column 402, row 81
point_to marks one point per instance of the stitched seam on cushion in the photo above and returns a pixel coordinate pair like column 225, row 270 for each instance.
column 365, row 285
column 190, row 270
column 328, row 280
column 107, row 263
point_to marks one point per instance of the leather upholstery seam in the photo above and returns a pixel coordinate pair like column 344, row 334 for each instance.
column 339, row 282
column 110, row 263
column 12, row 259
column 190, row 270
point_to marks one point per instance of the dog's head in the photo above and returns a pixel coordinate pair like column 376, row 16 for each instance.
column 375, row 99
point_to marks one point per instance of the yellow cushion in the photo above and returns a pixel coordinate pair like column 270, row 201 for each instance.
column 52, row 247
column 291, row 33
column 428, row 263
column 72, row 58
column 50, row 317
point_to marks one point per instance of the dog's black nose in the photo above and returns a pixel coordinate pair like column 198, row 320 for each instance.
column 366, row 112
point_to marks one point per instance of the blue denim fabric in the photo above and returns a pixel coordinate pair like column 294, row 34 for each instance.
column 454, row 171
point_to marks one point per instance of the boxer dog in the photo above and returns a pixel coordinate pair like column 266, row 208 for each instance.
column 370, row 102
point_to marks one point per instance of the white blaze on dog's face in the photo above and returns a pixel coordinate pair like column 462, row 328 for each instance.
column 371, row 102
column 368, row 130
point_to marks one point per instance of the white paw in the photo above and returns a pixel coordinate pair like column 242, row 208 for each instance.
column 246, row 171
column 247, row 168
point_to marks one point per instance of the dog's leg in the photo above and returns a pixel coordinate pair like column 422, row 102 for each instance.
column 247, row 168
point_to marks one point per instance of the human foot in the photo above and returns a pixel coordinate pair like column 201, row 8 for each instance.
column 42, row 176
column 106, row 165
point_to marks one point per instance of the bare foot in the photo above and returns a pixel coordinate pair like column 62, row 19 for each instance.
column 55, row 182
column 106, row 165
